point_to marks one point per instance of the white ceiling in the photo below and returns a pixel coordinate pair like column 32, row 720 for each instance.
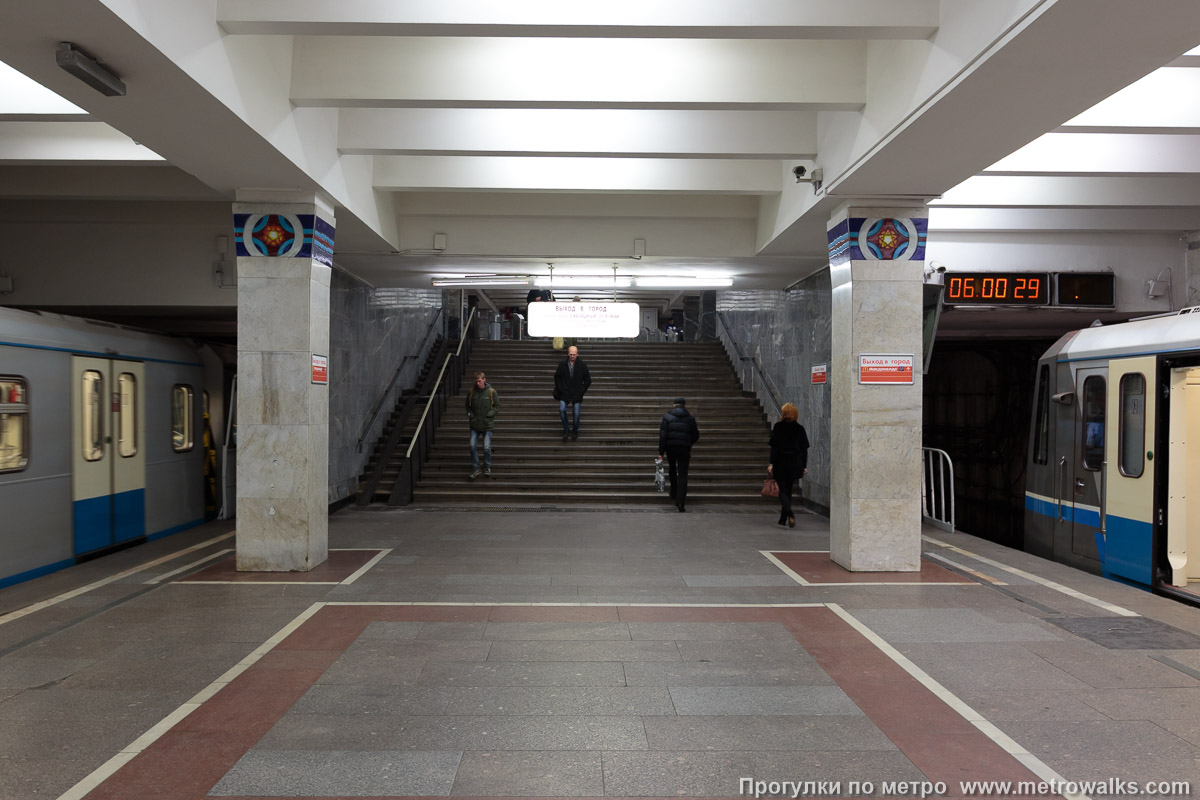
column 531, row 133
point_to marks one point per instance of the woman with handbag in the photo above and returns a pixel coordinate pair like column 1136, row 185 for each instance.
column 789, row 458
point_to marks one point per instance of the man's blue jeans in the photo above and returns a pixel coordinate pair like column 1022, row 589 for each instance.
column 562, row 413
column 487, row 449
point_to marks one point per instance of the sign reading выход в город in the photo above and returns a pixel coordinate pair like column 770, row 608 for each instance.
column 885, row 368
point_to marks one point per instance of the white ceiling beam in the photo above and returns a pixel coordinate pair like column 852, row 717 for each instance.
column 587, row 206
column 157, row 182
column 408, row 173
column 378, row 72
column 767, row 19
column 609, row 132
column 1163, row 101
column 1002, row 191
column 1056, row 220
column 73, row 143
column 1103, row 154
column 487, row 301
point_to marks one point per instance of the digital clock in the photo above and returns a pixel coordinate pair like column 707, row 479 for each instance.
column 997, row 288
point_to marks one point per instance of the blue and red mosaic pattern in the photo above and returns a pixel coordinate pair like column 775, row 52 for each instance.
column 283, row 236
column 878, row 239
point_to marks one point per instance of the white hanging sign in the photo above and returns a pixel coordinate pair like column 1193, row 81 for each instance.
column 581, row 320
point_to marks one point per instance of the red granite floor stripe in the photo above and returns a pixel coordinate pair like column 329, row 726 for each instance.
column 340, row 565
column 181, row 765
column 554, row 614
column 820, row 568
column 697, row 614
column 932, row 735
column 186, row 762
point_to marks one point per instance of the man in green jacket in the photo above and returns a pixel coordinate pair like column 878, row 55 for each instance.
column 481, row 414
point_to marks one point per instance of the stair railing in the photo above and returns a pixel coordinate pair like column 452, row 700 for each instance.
column 937, row 488
column 438, row 397
column 378, row 406
column 749, row 371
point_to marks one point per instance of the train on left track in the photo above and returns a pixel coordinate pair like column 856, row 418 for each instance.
column 101, row 430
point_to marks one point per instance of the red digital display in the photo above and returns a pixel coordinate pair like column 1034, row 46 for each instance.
column 997, row 288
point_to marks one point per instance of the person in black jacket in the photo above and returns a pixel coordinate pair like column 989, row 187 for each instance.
column 676, row 435
column 571, row 381
column 789, row 458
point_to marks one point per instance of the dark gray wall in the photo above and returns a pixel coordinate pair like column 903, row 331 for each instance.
column 370, row 331
column 787, row 333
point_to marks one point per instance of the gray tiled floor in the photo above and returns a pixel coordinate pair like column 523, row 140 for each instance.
column 591, row 708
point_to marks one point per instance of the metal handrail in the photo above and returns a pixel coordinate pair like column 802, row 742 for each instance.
column 728, row 340
column 937, row 501
column 437, row 384
column 395, row 376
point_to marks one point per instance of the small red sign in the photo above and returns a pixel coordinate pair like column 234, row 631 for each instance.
column 320, row 369
column 885, row 368
column 819, row 373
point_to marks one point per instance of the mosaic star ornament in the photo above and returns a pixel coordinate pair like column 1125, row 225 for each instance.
column 886, row 240
column 273, row 234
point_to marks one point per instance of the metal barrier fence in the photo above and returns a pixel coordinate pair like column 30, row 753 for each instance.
column 937, row 488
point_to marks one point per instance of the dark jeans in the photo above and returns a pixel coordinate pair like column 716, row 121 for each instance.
column 576, row 408
column 786, row 478
column 678, row 461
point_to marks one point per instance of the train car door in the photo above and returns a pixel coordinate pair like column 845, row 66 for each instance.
column 108, row 452
column 1183, row 476
column 1085, row 470
column 1128, row 483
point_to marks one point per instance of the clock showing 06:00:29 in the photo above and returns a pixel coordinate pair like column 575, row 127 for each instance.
column 997, row 288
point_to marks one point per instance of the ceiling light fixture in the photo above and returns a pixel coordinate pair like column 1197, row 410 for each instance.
column 670, row 282
column 581, row 282
column 89, row 70
column 515, row 280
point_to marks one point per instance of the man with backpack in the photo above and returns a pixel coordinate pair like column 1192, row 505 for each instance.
column 481, row 414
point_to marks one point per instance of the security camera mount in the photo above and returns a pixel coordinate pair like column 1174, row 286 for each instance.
column 815, row 176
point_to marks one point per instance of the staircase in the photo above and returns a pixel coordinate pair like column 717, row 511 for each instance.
column 612, row 462
column 392, row 470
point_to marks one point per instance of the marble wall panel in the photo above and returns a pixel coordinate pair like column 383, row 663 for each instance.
column 280, row 523
column 875, row 452
column 788, row 333
column 887, row 535
column 370, row 332
column 273, row 313
column 273, row 387
column 274, row 461
column 1192, row 267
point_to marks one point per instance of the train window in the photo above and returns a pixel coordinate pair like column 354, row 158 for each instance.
column 1041, row 442
column 14, row 424
column 92, row 440
column 1133, row 425
column 1093, row 422
column 127, row 415
column 182, row 404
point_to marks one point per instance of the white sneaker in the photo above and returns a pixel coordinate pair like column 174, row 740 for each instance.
column 474, row 475
column 487, row 472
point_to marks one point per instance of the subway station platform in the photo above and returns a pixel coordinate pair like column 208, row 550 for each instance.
column 576, row 653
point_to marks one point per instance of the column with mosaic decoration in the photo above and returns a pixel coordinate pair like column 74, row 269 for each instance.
column 284, row 257
column 876, row 257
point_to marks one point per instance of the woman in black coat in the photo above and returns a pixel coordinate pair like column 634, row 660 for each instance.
column 789, row 458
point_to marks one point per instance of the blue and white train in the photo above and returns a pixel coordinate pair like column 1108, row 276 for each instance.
column 100, row 440
column 1113, row 480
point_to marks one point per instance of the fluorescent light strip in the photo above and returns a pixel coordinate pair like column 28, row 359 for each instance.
column 481, row 281
column 667, row 282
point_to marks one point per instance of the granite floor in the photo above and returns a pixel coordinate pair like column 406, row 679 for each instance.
column 605, row 653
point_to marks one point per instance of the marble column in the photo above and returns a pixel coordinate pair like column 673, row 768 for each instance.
column 284, row 252
column 876, row 257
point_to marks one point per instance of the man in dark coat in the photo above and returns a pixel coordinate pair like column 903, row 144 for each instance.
column 571, row 381
column 676, row 435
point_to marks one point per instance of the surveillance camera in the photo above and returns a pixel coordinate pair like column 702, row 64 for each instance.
column 799, row 171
